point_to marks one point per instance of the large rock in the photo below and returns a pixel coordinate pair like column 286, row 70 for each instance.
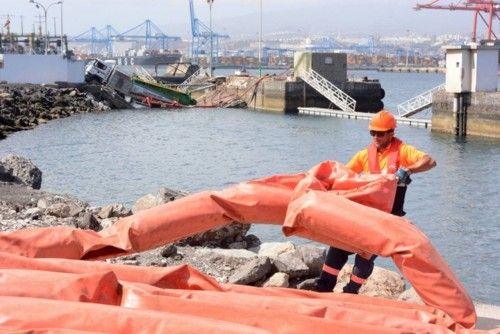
column 381, row 283
column 313, row 257
column 278, row 280
column 253, row 271
column 290, row 264
column 20, row 170
column 410, row 295
column 164, row 195
column 274, row 249
column 61, row 206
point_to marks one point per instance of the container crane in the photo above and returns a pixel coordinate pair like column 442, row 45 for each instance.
column 150, row 32
column 490, row 7
column 201, row 35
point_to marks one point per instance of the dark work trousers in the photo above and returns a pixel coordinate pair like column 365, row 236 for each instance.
column 336, row 258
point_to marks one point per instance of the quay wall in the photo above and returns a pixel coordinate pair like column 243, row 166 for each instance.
column 482, row 113
column 281, row 96
column 278, row 96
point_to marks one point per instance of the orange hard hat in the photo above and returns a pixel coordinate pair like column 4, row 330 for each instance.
column 382, row 121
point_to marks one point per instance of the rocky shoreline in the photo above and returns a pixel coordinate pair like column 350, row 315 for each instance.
column 24, row 107
column 228, row 254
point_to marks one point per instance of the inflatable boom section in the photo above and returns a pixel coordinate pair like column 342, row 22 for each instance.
column 329, row 204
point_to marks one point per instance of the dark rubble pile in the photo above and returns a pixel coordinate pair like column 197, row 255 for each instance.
column 24, row 107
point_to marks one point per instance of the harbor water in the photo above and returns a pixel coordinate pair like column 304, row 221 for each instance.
column 119, row 156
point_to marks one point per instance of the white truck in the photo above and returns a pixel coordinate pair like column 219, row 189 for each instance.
column 99, row 71
column 133, row 82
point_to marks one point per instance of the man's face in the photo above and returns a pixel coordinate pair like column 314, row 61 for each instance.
column 382, row 139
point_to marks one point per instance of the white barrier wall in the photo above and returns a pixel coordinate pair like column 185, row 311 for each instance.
column 40, row 69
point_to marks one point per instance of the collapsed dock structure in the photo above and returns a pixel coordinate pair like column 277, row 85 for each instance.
column 317, row 80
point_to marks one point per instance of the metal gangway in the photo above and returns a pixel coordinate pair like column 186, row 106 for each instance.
column 329, row 90
column 418, row 103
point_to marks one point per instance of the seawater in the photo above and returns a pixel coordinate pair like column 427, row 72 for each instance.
column 119, row 156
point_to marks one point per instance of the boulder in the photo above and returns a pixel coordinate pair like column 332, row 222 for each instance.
column 115, row 210
column 61, row 206
column 381, row 283
column 278, row 280
column 273, row 249
column 410, row 295
column 307, row 284
column 20, row 170
column 89, row 222
column 225, row 254
column 219, row 237
column 253, row 271
column 290, row 264
column 145, row 202
column 313, row 257
column 164, row 195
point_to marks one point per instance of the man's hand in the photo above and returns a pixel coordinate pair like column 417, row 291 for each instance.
column 403, row 176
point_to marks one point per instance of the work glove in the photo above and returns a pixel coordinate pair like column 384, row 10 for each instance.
column 403, row 177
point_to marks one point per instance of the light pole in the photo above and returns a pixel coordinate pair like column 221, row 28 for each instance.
column 45, row 9
column 210, row 70
column 62, row 32
column 260, row 42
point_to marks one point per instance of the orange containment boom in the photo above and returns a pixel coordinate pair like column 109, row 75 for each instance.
column 329, row 204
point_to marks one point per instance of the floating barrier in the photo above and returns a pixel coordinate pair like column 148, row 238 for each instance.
column 329, row 204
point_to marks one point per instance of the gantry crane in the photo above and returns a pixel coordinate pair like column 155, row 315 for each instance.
column 479, row 7
column 201, row 35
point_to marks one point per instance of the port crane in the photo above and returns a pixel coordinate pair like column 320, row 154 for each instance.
column 147, row 31
column 479, row 7
column 151, row 34
column 201, row 35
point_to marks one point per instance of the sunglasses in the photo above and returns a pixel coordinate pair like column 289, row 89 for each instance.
column 374, row 133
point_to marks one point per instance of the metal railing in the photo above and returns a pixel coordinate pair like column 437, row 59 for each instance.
column 329, row 90
column 418, row 103
column 186, row 83
column 143, row 74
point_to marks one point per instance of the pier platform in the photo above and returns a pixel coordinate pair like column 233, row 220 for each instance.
column 421, row 123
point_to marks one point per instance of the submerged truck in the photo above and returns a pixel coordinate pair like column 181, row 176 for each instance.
column 134, row 82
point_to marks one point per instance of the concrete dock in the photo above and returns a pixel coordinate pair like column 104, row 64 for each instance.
column 488, row 317
column 421, row 123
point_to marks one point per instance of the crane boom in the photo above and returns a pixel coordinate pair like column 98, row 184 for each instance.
column 490, row 7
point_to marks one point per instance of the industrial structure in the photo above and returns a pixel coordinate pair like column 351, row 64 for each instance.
column 147, row 32
column 489, row 7
column 204, row 40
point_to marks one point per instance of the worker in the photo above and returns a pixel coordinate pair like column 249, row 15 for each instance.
column 387, row 155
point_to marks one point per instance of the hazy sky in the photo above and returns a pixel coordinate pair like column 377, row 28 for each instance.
column 239, row 17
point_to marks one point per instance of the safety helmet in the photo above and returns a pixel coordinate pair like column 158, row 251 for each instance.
column 382, row 121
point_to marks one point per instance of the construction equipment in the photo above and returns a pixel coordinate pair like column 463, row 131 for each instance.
column 201, row 34
column 490, row 7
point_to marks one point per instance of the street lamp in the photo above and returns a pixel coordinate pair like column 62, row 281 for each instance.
column 260, row 42
column 62, row 32
column 45, row 9
column 210, row 70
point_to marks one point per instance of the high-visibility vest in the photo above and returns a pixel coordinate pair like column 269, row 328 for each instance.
column 393, row 162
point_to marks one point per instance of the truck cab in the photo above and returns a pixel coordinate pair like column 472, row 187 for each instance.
column 98, row 71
